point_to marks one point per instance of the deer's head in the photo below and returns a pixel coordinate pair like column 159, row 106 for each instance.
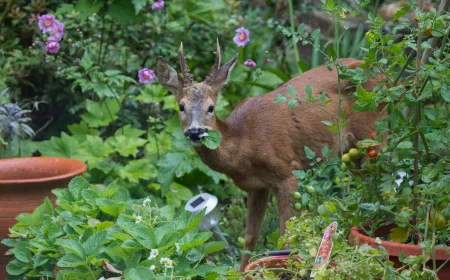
column 197, row 101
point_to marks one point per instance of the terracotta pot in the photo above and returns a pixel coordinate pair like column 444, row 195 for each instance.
column 24, row 183
column 394, row 249
column 267, row 262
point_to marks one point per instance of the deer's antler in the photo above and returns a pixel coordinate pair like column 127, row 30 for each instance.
column 212, row 75
column 184, row 68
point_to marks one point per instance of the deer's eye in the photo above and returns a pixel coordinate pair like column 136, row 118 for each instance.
column 181, row 108
column 211, row 109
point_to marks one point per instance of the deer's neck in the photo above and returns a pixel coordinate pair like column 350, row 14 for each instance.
column 220, row 159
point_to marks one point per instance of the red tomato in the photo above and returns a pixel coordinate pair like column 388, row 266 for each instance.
column 372, row 153
column 372, row 135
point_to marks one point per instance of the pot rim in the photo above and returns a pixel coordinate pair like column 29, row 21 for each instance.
column 441, row 253
column 77, row 168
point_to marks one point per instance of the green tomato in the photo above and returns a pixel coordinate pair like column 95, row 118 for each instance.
column 310, row 189
column 241, row 240
column 354, row 153
column 298, row 206
column 296, row 195
column 344, row 167
column 346, row 158
column 311, row 207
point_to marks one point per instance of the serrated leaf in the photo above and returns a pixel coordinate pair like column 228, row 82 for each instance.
column 291, row 90
column 100, row 114
column 88, row 7
column 16, row 267
column 122, row 11
column 212, row 140
column 141, row 273
column 86, row 61
column 70, row 260
column 309, row 153
column 308, row 89
column 292, row 103
column 213, row 246
column 405, row 9
column 72, row 246
column 77, row 185
column 280, row 98
column 22, row 253
column 94, row 243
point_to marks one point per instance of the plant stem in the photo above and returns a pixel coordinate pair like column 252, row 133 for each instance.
column 408, row 61
column 291, row 18
column 417, row 116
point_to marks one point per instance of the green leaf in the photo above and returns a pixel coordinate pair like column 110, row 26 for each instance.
column 292, row 103
column 170, row 165
column 291, row 90
column 308, row 89
column 86, row 61
column 138, row 169
column 70, row 260
column 365, row 101
column 94, row 243
column 140, row 273
column 73, row 246
column 400, row 234
column 110, row 207
column 65, row 146
column 212, row 140
column 405, row 9
column 178, row 193
column 326, row 152
column 213, row 246
column 299, row 174
column 100, row 114
column 88, row 7
column 77, row 185
column 122, row 11
column 15, row 267
column 22, row 253
column 81, row 131
column 445, row 92
column 138, row 5
column 94, row 150
column 309, row 153
column 280, row 98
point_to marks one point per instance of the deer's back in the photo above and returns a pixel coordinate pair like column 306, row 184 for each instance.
column 275, row 136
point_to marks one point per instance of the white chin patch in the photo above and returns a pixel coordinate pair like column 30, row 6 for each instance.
column 196, row 143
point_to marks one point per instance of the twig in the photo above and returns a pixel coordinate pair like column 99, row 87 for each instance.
column 43, row 128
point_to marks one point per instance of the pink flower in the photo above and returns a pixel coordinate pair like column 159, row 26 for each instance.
column 242, row 37
column 250, row 63
column 146, row 76
column 52, row 46
column 46, row 23
column 57, row 32
column 158, row 5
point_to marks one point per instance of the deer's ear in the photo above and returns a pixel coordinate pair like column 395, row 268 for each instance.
column 223, row 74
column 167, row 76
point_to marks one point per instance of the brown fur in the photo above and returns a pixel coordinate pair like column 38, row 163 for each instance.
column 262, row 142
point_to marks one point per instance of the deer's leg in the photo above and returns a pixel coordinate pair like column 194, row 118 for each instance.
column 256, row 207
column 284, row 200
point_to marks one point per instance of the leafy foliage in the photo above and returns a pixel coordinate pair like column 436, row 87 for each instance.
column 96, row 227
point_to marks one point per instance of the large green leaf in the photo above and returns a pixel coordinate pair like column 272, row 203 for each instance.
column 100, row 114
column 138, row 169
column 122, row 11
column 171, row 165
column 88, row 7
column 94, row 243
column 65, row 146
column 70, row 260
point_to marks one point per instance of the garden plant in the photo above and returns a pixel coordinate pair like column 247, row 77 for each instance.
column 78, row 80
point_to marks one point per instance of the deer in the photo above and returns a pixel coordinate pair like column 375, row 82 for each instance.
column 263, row 142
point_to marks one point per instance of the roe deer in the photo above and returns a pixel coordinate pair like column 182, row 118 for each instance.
column 262, row 142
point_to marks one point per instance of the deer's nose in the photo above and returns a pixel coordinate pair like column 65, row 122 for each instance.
column 194, row 133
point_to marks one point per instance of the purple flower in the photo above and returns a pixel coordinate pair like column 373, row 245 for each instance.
column 52, row 46
column 46, row 23
column 57, row 32
column 146, row 76
column 250, row 63
column 242, row 37
column 158, row 5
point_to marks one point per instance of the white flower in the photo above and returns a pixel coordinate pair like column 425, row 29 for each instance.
column 177, row 246
column 147, row 202
column 168, row 263
column 378, row 241
column 153, row 254
column 138, row 219
column 152, row 267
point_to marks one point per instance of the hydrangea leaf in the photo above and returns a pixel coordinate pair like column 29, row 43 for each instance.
column 66, row 146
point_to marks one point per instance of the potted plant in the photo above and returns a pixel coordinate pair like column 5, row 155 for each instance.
column 405, row 192
column 24, row 183
column 99, row 232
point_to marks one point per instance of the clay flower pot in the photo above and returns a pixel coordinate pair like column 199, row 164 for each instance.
column 394, row 249
column 24, row 183
column 267, row 262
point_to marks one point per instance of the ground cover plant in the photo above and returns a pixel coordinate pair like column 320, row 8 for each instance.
column 83, row 87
